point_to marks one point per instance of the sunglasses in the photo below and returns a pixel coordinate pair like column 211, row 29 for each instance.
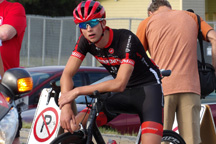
column 92, row 23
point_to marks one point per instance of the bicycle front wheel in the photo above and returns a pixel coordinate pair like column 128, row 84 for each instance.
column 68, row 138
column 172, row 137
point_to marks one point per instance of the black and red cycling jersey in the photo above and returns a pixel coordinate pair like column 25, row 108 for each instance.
column 123, row 47
column 143, row 93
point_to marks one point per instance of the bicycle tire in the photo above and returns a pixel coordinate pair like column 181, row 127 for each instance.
column 68, row 138
column 172, row 137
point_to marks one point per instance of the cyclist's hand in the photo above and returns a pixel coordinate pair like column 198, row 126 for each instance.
column 67, row 97
column 67, row 118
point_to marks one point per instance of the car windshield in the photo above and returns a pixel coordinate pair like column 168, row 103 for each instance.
column 81, row 99
column 39, row 77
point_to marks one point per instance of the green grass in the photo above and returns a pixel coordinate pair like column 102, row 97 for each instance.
column 108, row 130
column 26, row 125
column 105, row 130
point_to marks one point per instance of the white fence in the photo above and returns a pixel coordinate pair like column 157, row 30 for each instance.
column 50, row 41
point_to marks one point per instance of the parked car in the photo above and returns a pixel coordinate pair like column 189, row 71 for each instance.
column 42, row 76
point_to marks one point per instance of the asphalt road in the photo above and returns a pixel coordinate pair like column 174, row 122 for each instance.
column 120, row 139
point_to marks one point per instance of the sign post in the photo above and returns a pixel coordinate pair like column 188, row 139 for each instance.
column 46, row 124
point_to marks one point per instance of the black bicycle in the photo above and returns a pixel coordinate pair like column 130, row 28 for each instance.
column 85, row 135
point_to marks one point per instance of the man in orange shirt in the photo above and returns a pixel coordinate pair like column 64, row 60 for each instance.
column 170, row 36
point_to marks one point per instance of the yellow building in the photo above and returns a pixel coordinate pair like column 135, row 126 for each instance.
column 138, row 9
column 210, row 10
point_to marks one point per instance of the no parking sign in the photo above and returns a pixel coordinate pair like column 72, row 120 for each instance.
column 45, row 125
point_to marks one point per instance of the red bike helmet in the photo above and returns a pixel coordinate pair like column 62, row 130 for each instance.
column 88, row 10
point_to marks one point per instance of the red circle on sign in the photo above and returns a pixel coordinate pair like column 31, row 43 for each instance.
column 41, row 114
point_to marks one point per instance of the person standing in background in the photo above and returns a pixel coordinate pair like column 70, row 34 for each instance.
column 170, row 36
column 12, row 29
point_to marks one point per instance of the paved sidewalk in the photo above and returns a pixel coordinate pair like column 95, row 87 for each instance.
column 120, row 139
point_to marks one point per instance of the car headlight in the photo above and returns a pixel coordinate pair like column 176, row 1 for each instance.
column 8, row 127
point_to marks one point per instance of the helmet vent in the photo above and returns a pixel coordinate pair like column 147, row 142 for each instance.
column 77, row 14
column 82, row 10
column 90, row 6
column 89, row 10
column 98, row 9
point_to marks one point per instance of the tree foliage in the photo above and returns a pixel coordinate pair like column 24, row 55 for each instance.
column 52, row 8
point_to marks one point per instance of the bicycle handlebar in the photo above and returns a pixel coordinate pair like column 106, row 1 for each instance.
column 95, row 94
column 165, row 73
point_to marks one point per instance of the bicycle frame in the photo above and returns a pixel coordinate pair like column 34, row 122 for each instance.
column 138, row 140
column 91, row 126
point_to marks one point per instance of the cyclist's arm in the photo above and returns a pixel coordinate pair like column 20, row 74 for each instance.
column 116, row 85
column 211, row 36
column 70, row 70
column 66, row 82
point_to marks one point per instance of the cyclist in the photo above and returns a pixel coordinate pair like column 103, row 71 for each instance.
column 136, row 85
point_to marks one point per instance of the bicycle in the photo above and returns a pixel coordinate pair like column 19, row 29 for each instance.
column 84, row 135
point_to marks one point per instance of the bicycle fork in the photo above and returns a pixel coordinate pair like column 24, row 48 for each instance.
column 92, row 128
column 138, row 139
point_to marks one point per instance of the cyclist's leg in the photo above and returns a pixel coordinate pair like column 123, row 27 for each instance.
column 150, row 138
column 152, row 114
column 147, row 101
column 82, row 118
column 188, row 116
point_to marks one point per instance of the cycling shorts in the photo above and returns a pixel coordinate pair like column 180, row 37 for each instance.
column 146, row 101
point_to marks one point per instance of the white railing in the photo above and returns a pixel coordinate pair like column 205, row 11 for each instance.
column 50, row 41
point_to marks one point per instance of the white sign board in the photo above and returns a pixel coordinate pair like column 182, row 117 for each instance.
column 46, row 124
